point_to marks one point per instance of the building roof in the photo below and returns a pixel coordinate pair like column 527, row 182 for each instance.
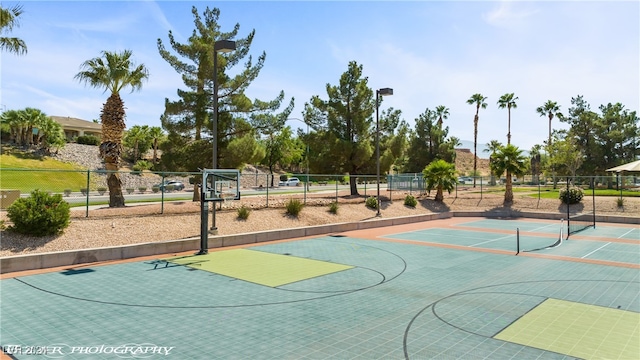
column 69, row 122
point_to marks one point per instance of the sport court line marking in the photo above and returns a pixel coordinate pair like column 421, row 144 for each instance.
column 488, row 241
column 541, row 227
column 595, row 250
column 621, row 236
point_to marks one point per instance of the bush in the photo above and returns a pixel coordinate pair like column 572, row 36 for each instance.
column 294, row 206
column 2, row 226
column 130, row 190
column 141, row 165
column 67, row 192
column 620, row 202
column 101, row 190
column 243, row 212
column 40, row 214
column 572, row 196
column 410, row 201
column 84, row 191
column 142, row 189
column 283, row 177
column 372, row 202
column 155, row 188
column 88, row 140
column 333, row 207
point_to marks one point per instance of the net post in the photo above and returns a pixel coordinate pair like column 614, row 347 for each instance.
column 517, row 241
column 593, row 199
column 568, row 212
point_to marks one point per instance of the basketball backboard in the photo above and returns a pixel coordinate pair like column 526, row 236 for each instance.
column 220, row 184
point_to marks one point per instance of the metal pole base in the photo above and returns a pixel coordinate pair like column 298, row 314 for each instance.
column 202, row 252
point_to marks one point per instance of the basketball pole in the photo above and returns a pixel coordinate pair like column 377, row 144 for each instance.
column 204, row 221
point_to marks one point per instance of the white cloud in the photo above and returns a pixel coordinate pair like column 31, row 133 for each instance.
column 508, row 14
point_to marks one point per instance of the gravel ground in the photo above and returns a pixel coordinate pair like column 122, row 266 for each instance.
column 140, row 224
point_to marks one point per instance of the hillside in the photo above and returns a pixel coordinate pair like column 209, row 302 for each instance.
column 464, row 163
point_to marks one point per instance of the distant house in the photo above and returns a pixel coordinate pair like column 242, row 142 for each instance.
column 74, row 127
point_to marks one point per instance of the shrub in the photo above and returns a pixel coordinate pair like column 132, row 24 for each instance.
column 130, row 190
column 372, row 202
column 141, row 165
column 294, row 206
column 283, row 177
column 67, row 192
column 101, row 190
column 243, row 212
column 2, row 226
column 88, row 140
column 84, row 191
column 40, row 214
column 333, row 207
column 620, row 202
column 142, row 189
column 155, row 188
column 410, row 201
column 572, row 196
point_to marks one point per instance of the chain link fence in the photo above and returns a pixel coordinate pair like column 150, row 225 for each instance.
column 86, row 190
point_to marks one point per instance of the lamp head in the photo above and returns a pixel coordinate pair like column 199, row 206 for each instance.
column 224, row 46
column 385, row 91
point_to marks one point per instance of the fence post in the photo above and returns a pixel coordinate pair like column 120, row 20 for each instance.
column 162, row 187
column 268, row 187
column 337, row 181
column 88, row 178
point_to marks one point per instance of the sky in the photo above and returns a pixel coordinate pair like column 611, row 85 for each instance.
column 429, row 52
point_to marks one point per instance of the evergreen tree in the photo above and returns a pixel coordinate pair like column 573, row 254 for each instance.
column 347, row 117
column 192, row 115
column 428, row 143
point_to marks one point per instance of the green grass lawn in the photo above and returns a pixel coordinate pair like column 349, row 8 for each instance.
column 26, row 172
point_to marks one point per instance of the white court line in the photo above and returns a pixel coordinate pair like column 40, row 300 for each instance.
column 484, row 242
column 620, row 237
column 595, row 250
column 542, row 227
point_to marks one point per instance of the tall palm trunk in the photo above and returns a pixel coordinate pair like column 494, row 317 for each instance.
column 508, row 194
column 155, row 150
column 475, row 146
column 113, row 126
column 509, row 126
column 550, row 118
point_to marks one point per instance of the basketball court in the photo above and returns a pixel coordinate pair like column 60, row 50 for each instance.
column 454, row 288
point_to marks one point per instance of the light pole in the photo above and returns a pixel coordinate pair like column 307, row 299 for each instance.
column 223, row 46
column 381, row 92
column 307, row 182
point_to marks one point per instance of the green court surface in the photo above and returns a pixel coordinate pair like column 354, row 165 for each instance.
column 260, row 267
column 552, row 227
column 327, row 297
column 580, row 330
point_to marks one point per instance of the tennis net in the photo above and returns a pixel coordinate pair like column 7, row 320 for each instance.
column 580, row 222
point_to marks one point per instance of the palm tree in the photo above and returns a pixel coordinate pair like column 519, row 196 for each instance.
column 14, row 120
column 440, row 175
column 508, row 159
column 550, row 109
column 508, row 101
column 157, row 135
column 479, row 101
column 442, row 112
column 9, row 20
column 536, row 161
column 135, row 136
column 113, row 71
column 492, row 147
